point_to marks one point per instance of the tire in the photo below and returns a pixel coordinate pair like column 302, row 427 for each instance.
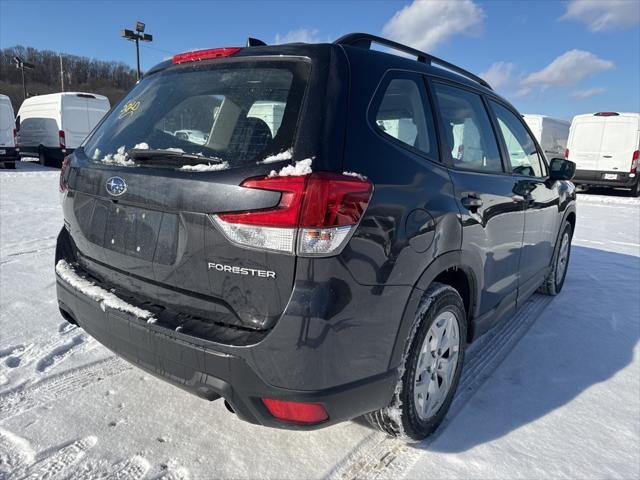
column 555, row 280
column 635, row 190
column 408, row 416
column 42, row 158
column 10, row 165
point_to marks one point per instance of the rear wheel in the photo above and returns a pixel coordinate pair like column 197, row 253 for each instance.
column 555, row 280
column 431, row 368
column 42, row 158
column 10, row 165
column 635, row 190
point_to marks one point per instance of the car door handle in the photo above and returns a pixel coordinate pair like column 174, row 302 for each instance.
column 607, row 156
column 471, row 202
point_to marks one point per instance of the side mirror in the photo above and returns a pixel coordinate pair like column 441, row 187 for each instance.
column 561, row 169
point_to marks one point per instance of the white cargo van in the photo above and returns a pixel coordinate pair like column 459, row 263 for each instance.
column 605, row 147
column 8, row 153
column 552, row 133
column 52, row 126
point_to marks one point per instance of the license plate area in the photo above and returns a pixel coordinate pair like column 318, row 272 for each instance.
column 148, row 235
column 610, row 176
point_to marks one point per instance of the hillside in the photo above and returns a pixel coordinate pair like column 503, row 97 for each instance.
column 108, row 78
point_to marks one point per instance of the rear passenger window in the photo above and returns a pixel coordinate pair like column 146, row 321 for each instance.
column 404, row 114
column 523, row 154
column 467, row 131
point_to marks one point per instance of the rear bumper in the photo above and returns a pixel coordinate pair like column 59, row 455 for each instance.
column 212, row 370
column 596, row 178
column 10, row 155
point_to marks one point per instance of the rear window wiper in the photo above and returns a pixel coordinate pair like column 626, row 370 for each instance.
column 172, row 157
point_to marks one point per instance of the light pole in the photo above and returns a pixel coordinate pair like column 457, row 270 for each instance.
column 137, row 36
column 21, row 64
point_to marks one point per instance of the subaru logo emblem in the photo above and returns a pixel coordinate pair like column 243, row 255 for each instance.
column 116, row 186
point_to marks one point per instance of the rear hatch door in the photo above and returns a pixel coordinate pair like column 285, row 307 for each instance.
column 143, row 223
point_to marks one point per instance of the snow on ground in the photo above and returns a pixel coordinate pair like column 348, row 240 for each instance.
column 552, row 392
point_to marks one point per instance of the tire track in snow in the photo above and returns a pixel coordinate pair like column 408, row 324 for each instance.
column 57, row 465
column 380, row 456
column 132, row 469
column 22, row 399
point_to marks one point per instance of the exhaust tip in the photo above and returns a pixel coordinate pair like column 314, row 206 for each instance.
column 229, row 407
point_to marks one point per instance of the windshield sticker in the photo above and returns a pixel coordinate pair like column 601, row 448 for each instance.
column 129, row 109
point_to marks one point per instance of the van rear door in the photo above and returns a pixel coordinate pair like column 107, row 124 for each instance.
column 619, row 141
column 585, row 142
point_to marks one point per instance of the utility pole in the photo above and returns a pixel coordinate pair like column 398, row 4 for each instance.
column 137, row 36
column 61, row 75
column 21, row 64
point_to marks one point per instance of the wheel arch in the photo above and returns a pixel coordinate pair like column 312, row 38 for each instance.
column 454, row 269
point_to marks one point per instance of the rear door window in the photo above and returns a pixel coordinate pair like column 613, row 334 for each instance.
column 467, row 132
column 404, row 114
column 239, row 112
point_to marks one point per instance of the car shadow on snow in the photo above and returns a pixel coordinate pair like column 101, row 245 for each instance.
column 585, row 336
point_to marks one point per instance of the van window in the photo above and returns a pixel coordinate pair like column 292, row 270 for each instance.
column 523, row 154
column 239, row 112
column 404, row 114
column 467, row 130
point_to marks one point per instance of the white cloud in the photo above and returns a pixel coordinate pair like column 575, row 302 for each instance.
column 589, row 92
column 426, row 24
column 305, row 35
column 500, row 74
column 604, row 15
column 566, row 70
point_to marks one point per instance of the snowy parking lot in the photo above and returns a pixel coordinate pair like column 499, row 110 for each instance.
column 552, row 392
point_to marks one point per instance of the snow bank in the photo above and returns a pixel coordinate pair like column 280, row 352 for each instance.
column 303, row 167
column 99, row 294
column 205, row 167
column 286, row 155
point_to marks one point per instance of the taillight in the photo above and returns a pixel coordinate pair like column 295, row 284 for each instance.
column 566, row 154
column 316, row 215
column 204, row 54
column 302, row 413
column 61, row 139
column 634, row 161
column 63, row 171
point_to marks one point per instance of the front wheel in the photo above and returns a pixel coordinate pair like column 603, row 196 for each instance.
column 431, row 368
column 555, row 279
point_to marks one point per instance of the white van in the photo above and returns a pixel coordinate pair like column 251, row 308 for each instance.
column 9, row 155
column 52, row 126
column 552, row 133
column 605, row 147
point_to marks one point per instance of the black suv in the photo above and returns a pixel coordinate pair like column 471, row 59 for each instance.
column 313, row 232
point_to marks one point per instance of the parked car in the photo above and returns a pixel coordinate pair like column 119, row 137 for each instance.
column 605, row 147
column 9, row 154
column 552, row 133
column 52, row 126
column 336, row 267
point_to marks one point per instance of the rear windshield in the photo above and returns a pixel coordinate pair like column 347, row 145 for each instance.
column 233, row 112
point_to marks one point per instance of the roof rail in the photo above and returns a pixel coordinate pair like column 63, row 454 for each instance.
column 364, row 40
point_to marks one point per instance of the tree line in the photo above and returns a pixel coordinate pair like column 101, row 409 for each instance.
column 108, row 78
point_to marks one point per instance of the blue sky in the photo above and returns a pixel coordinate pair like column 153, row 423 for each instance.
column 557, row 58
